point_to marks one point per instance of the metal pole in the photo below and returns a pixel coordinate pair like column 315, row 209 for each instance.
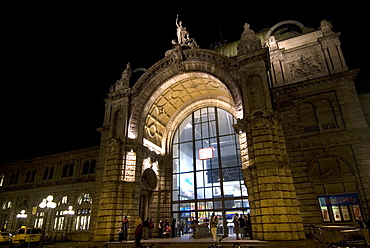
column 43, row 228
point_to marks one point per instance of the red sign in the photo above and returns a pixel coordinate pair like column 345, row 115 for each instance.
column 205, row 153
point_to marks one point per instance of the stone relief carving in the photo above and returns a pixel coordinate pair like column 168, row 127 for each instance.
column 305, row 66
column 114, row 145
column 177, row 56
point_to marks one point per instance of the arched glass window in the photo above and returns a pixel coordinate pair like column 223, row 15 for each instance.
column 207, row 168
column 83, row 212
column 7, row 205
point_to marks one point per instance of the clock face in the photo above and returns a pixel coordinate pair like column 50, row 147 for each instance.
column 149, row 178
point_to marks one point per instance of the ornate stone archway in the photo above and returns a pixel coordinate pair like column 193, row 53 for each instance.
column 187, row 79
column 202, row 70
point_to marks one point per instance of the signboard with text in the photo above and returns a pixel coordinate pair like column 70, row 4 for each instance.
column 129, row 175
column 205, row 153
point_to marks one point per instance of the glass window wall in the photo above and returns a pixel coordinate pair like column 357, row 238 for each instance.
column 202, row 185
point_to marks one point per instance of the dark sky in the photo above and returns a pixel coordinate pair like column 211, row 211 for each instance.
column 59, row 60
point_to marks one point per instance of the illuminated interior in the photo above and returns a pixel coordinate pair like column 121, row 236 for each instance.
column 202, row 185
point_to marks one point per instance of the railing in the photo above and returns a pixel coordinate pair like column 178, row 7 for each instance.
column 334, row 234
column 322, row 127
column 329, row 126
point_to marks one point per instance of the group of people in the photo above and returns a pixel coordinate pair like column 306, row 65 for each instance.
column 167, row 229
column 145, row 229
column 243, row 226
column 142, row 230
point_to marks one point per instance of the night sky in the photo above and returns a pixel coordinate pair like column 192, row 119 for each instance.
column 58, row 61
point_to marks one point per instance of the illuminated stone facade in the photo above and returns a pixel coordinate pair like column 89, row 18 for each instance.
column 304, row 138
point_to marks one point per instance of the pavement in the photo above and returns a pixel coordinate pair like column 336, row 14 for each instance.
column 185, row 242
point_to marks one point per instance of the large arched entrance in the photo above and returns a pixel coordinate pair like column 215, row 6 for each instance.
column 207, row 174
column 160, row 105
column 201, row 99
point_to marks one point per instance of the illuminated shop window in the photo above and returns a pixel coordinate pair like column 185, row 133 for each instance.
column 340, row 208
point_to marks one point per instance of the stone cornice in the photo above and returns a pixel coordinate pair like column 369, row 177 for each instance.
column 322, row 140
column 281, row 90
column 247, row 58
column 54, row 156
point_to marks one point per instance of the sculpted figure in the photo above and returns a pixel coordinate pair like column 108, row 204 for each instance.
column 124, row 82
column 181, row 31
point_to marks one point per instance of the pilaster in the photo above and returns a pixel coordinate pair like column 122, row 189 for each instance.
column 274, row 208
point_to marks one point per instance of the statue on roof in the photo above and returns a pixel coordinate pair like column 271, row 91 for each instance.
column 249, row 42
column 124, row 82
column 326, row 27
column 180, row 31
column 183, row 38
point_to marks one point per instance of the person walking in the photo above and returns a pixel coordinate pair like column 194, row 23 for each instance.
column 246, row 234
column 249, row 226
column 124, row 230
column 161, row 228
column 151, row 226
column 138, row 220
column 146, row 228
column 242, row 226
column 236, row 225
column 138, row 232
column 173, row 228
column 214, row 223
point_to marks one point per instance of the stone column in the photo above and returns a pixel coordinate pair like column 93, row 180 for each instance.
column 274, row 208
column 111, row 193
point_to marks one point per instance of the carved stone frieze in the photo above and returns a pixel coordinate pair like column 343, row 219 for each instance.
column 305, row 66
